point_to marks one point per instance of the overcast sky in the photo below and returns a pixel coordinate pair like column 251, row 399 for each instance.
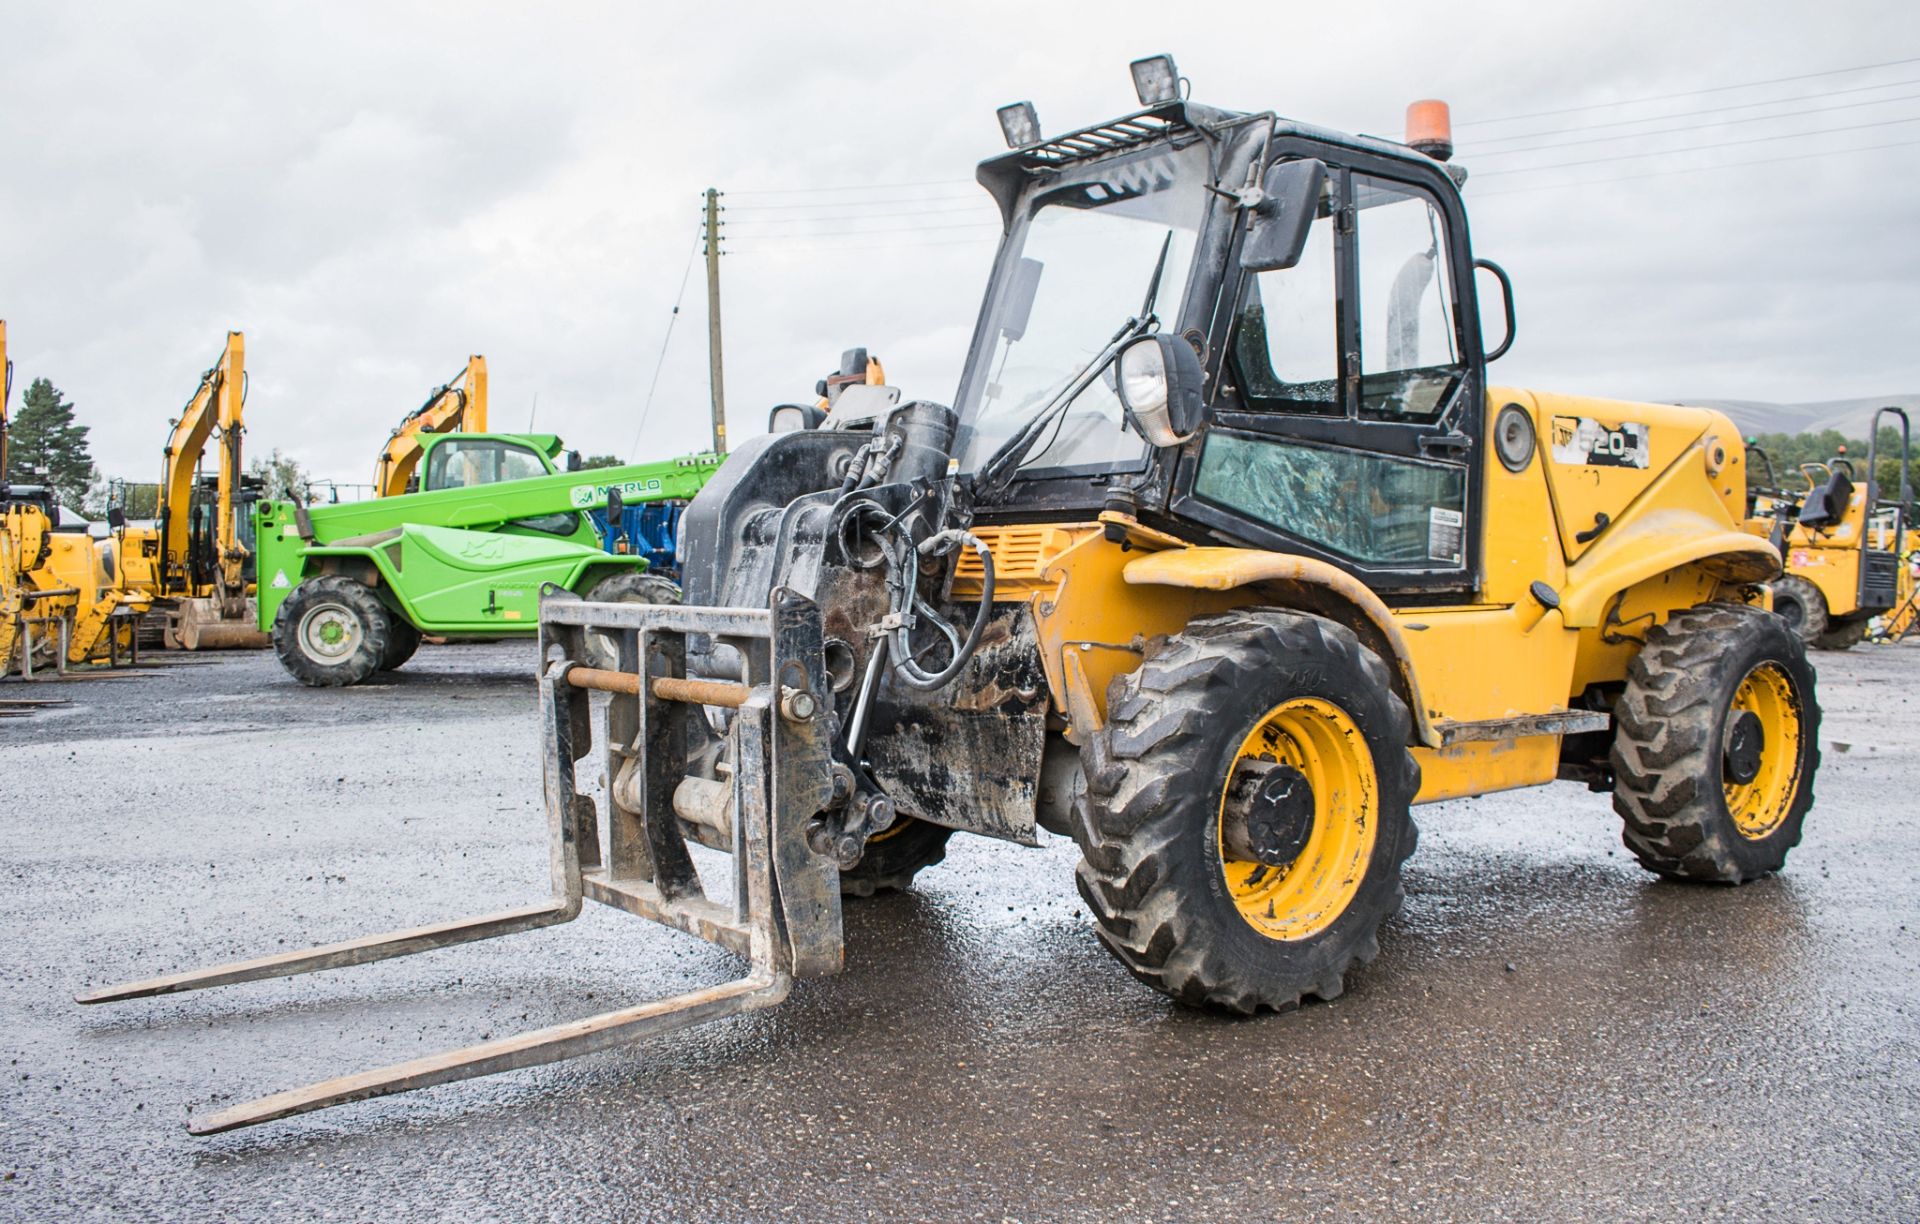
column 372, row 192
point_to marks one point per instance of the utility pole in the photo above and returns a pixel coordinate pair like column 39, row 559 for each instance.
column 716, row 373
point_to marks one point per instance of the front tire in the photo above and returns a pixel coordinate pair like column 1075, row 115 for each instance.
column 1801, row 605
column 332, row 632
column 628, row 586
column 1716, row 744
column 894, row 857
column 1174, row 898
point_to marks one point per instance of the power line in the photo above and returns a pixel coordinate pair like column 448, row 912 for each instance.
column 1713, row 110
column 1760, row 161
column 1725, row 144
column 981, row 209
column 981, row 242
column 938, row 199
column 633, row 448
column 784, row 191
column 1692, row 127
column 892, row 229
column 1692, row 93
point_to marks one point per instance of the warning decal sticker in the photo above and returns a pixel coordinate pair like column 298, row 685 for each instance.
column 1585, row 442
column 1444, row 532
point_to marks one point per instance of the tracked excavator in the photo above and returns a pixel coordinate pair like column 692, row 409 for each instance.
column 1226, row 554
column 194, row 562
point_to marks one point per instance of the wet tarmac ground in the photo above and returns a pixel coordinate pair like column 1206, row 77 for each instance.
column 1549, row 1033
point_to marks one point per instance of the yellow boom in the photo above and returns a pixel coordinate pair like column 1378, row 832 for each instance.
column 452, row 408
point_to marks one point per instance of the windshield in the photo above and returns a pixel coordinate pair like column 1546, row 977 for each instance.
column 1078, row 267
column 462, row 464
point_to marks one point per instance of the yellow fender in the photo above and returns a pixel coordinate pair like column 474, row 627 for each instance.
column 1301, row 583
column 1676, row 521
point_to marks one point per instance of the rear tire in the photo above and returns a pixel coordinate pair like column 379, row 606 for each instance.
column 893, row 858
column 332, row 632
column 1198, row 922
column 1801, row 605
column 629, row 586
column 401, row 643
column 1719, row 692
column 1845, row 637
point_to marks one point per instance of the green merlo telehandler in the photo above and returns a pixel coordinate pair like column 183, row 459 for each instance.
column 347, row 590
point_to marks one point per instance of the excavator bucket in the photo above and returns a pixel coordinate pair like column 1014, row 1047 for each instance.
column 765, row 742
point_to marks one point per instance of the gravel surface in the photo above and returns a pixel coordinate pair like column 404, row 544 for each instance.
column 1549, row 1033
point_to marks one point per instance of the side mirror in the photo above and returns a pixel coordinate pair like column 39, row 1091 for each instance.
column 116, row 517
column 794, row 418
column 1289, row 201
column 1161, row 385
column 616, row 506
column 573, row 461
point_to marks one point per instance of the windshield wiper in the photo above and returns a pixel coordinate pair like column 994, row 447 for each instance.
column 997, row 473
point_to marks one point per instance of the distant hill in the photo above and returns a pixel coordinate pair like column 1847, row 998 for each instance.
column 1851, row 417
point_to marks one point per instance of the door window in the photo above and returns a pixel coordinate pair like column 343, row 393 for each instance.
column 1378, row 509
column 1409, row 348
column 1287, row 342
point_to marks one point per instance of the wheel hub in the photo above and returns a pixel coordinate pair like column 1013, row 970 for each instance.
column 329, row 633
column 1269, row 813
column 1746, row 742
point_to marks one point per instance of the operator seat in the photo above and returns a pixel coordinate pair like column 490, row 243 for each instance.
column 1827, row 504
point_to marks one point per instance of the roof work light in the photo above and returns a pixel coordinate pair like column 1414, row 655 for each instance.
column 1155, row 80
column 1019, row 124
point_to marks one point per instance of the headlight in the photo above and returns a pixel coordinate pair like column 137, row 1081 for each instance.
column 1166, row 414
column 792, row 418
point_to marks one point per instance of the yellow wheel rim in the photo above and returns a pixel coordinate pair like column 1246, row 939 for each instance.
column 1761, row 803
column 1302, row 899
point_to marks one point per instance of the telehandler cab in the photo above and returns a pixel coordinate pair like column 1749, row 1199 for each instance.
column 1225, row 556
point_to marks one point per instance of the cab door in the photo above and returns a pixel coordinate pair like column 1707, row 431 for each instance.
column 1348, row 389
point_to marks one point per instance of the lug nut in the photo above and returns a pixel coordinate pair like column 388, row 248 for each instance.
column 847, row 849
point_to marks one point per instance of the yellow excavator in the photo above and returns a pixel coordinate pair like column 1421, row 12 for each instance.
column 192, row 561
column 459, row 406
column 60, row 598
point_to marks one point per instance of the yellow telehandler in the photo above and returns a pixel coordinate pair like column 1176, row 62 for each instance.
column 1226, row 555
column 193, row 561
column 450, row 408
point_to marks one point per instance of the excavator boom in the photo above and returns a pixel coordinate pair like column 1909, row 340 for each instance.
column 458, row 406
column 216, row 405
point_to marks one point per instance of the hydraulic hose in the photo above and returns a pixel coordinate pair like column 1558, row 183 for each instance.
column 904, row 664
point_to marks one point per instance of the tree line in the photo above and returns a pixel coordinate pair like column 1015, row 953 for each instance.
column 1788, row 451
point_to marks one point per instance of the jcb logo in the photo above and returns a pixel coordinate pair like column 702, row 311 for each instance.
column 1585, row 442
